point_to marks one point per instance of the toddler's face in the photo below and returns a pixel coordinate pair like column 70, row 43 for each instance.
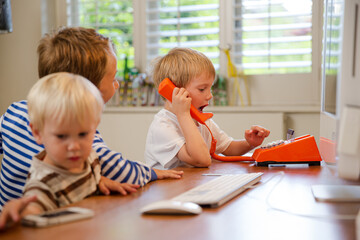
column 199, row 89
column 108, row 83
column 68, row 144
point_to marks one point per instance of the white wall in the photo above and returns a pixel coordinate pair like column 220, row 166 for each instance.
column 18, row 59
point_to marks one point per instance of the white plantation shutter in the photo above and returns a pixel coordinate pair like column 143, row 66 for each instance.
column 191, row 23
column 269, row 36
column 273, row 36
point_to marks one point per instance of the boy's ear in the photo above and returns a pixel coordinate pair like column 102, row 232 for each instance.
column 36, row 134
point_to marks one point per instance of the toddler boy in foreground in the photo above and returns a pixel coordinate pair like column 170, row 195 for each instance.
column 84, row 52
column 64, row 111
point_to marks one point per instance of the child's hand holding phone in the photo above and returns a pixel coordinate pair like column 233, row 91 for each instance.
column 166, row 89
column 181, row 102
column 12, row 211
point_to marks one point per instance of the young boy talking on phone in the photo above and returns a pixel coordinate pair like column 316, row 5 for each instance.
column 64, row 111
column 174, row 138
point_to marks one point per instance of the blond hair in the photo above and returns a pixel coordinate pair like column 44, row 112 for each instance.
column 64, row 97
column 181, row 65
column 76, row 50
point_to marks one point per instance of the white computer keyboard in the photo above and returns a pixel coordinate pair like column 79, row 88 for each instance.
column 219, row 190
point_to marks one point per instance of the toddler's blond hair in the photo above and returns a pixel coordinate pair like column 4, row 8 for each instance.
column 181, row 65
column 64, row 97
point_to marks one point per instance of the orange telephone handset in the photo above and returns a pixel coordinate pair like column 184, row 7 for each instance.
column 166, row 88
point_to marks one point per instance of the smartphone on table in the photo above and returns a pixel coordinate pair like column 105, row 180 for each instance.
column 57, row 216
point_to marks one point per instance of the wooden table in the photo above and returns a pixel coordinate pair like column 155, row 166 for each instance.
column 259, row 213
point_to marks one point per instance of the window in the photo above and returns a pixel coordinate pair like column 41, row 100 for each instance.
column 112, row 18
column 185, row 23
column 333, row 37
column 276, row 42
column 273, row 36
column 332, row 48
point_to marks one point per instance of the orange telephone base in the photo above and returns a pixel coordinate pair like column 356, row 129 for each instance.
column 301, row 150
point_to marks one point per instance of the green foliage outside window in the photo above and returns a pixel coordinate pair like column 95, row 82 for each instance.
column 113, row 19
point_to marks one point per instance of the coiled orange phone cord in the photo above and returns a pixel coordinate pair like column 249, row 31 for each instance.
column 225, row 158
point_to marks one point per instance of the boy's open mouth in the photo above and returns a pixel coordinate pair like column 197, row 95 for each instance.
column 202, row 108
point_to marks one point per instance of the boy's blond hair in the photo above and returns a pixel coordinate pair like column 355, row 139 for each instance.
column 181, row 65
column 64, row 97
column 77, row 50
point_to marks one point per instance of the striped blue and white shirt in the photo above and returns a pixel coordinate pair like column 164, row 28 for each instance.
column 18, row 146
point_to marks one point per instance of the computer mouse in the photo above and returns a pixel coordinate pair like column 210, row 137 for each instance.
column 171, row 207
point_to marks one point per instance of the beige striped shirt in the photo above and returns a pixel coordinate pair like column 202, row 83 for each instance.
column 56, row 187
